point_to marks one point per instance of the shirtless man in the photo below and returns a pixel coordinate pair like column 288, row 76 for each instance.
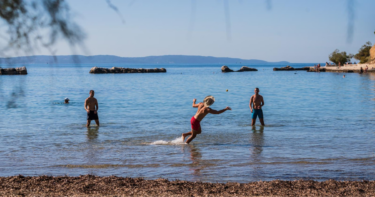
column 256, row 104
column 91, row 106
column 203, row 110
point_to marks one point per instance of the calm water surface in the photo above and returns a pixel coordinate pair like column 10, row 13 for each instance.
column 318, row 125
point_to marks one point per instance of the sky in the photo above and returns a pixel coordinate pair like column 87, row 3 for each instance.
column 298, row 31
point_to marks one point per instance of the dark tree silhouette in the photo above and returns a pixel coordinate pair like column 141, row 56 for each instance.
column 32, row 24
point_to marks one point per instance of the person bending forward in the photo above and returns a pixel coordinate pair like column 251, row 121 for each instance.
column 203, row 110
column 91, row 106
column 256, row 104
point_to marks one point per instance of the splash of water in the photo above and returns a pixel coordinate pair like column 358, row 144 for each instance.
column 173, row 142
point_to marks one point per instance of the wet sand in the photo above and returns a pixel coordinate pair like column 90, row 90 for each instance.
column 90, row 185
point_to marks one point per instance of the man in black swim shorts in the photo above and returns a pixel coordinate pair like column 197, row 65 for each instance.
column 91, row 106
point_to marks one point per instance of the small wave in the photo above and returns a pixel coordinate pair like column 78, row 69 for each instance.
column 173, row 142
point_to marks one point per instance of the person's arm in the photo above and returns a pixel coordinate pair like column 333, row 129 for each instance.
column 251, row 104
column 86, row 106
column 195, row 105
column 212, row 111
column 96, row 105
column 262, row 102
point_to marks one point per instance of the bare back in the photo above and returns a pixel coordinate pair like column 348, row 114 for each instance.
column 201, row 112
column 91, row 104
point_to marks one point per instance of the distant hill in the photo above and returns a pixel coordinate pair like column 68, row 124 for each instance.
column 111, row 59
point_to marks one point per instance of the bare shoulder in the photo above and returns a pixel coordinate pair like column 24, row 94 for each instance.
column 252, row 97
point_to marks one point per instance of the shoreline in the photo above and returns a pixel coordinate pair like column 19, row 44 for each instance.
column 90, row 185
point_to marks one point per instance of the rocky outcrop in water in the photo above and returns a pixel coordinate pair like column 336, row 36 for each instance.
column 289, row 68
column 13, row 71
column 245, row 68
column 98, row 70
column 226, row 69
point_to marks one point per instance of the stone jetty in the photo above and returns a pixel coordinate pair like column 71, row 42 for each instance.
column 98, row 70
column 346, row 68
column 226, row 69
column 13, row 71
column 289, row 68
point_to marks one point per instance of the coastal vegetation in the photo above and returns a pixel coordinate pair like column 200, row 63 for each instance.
column 363, row 54
column 340, row 57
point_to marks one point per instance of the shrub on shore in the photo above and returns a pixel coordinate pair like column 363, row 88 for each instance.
column 340, row 57
column 363, row 54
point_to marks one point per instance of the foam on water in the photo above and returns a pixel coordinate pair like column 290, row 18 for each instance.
column 175, row 141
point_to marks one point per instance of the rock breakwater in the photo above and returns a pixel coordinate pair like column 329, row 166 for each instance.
column 98, row 70
column 226, row 69
column 289, row 68
column 13, row 71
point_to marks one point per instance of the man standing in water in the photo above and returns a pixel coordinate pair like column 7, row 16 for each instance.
column 256, row 104
column 91, row 106
column 203, row 110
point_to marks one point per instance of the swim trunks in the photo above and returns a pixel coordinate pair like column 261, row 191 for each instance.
column 92, row 116
column 195, row 124
column 257, row 112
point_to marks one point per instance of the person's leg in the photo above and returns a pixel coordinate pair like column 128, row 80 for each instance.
column 260, row 114
column 184, row 135
column 253, row 122
column 261, row 120
column 88, row 123
column 97, row 122
column 193, row 135
column 254, row 117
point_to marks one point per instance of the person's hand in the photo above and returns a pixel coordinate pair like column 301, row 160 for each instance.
column 228, row 108
column 95, row 112
column 194, row 100
column 88, row 111
column 251, row 110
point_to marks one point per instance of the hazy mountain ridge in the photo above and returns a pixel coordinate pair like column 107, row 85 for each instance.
column 165, row 59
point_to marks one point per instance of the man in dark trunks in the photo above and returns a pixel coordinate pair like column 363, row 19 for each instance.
column 203, row 110
column 256, row 104
column 91, row 106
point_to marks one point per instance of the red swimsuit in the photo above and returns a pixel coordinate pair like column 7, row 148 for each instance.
column 195, row 124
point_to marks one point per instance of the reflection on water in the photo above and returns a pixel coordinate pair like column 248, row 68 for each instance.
column 92, row 133
column 257, row 142
column 196, row 158
column 92, row 148
column 195, row 164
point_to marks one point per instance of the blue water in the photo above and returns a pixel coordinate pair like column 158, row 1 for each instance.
column 318, row 125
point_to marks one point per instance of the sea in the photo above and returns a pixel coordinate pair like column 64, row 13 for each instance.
column 319, row 126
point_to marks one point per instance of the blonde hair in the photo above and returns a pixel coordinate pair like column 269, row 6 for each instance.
column 208, row 101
